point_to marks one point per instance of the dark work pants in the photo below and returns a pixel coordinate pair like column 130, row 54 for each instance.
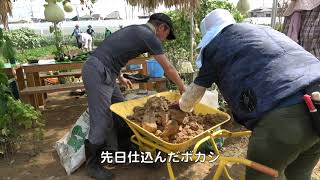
column 102, row 91
column 284, row 140
column 79, row 44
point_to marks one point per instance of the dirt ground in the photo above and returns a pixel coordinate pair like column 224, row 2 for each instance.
column 61, row 113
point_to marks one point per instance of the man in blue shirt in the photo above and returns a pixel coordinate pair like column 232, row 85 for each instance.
column 76, row 33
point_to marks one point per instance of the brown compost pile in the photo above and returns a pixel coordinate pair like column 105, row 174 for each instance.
column 170, row 124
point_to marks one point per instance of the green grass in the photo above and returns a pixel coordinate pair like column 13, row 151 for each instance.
column 36, row 53
column 23, row 56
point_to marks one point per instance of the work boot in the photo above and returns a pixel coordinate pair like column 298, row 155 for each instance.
column 93, row 164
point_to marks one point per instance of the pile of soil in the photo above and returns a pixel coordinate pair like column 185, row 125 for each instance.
column 171, row 124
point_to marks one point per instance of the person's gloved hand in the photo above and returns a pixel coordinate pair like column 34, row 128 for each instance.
column 191, row 97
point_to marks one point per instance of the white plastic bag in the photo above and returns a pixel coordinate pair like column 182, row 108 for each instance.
column 210, row 98
column 70, row 148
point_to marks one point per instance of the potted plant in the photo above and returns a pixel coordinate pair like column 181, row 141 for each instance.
column 53, row 13
column 8, row 51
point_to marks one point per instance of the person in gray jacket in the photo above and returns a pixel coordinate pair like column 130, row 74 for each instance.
column 99, row 76
column 263, row 75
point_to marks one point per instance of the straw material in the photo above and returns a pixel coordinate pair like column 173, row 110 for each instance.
column 153, row 4
column 300, row 5
column 5, row 9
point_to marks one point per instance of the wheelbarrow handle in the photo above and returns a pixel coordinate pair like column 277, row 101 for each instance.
column 264, row 169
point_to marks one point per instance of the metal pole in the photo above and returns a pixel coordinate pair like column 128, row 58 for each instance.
column 274, row 13
column 31, row 8
column 125, row 8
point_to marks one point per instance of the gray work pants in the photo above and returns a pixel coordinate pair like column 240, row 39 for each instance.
column 102, row 90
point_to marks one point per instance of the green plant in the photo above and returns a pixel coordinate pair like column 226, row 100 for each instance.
column 98, row 38
column 1, row 40
column 25, row 38
column 41, row 52
column 178, row 55
column 8, row 49
column 182, row 27
column 53, row 13
column 58, row 39
column 279, row 27
column 15, row 115
column 1, row 61
column 207, row 6
column 1, row 47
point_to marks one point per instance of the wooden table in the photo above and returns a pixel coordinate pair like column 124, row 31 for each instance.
column 10, row 70
column 30, row 73
column 144, row 71
column 160, row 83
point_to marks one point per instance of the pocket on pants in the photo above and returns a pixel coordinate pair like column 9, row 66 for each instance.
column 103, row 73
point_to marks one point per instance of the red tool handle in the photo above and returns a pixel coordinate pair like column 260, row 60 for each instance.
column 264, row 169
column 309, row 103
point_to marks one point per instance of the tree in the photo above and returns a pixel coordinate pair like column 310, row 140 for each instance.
column 180, row 48
column 5, row 9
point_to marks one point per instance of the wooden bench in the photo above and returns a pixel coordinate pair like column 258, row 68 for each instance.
column 31, row 93
column 33, row 89
column 61, row 74
column 44, row 78
column 32, row 86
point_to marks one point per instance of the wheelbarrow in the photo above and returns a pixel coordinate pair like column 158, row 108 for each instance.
column 148, row 142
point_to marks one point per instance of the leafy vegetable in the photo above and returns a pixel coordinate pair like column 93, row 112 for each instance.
column 8, row 50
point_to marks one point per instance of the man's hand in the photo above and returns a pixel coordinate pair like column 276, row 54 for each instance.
column 125, row 82
column 182, row 89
